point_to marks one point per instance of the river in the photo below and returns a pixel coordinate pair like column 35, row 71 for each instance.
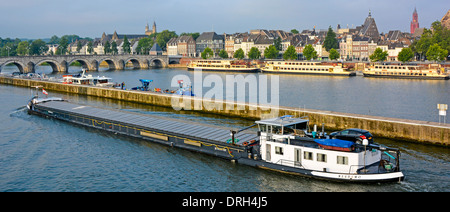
column 38, row 154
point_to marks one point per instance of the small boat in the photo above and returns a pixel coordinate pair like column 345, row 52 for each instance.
column 336, row 144
column 307, row 67
column 432, row 71
column 222, row 65
column 145, row 85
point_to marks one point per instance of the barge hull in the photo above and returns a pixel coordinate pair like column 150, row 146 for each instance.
column 187, row 136
column 406, row 77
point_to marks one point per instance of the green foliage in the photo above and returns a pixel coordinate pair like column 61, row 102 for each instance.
column 163, row 37
column 436, row 53
column 223, row 54
column 114, row 49
column 79, row 46
column 107, row 47
column 207, row 53
column 254, row 53
column 126, row 46
column 405, row 55
column 439, row 35
column 309, row 52
column 378, row 55
column 38, row 47
column 334, row 54
column 9, row 46
column 330, row 41
column 90, row 49
column 277, row 44
column 63, row 44
column 194, row 35
column 22, row 48
column 239, row 54
column 294, row 31
column 144, row 45
column 290, row 53
column 271, row 52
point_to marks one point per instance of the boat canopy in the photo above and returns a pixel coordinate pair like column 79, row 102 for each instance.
column 286, row 120
column 145, row 80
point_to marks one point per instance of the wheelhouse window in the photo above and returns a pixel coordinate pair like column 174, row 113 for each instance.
column 308, row 155
column 343, row 160
column 321, row 157
column 279, row 150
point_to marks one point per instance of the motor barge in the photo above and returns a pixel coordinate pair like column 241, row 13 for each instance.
column 281, row 144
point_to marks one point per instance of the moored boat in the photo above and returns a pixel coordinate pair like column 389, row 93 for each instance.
column 431, row 71
column 222, row 65
column 307, row 67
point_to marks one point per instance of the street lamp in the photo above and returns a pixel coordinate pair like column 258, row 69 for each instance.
column 8, row 48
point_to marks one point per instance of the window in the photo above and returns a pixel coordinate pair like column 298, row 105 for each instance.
column 342, row 160
column 279, row 150
column 307, row 155
column 321, row 157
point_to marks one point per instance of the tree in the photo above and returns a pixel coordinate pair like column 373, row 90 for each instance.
column 271, row 52
column 38, row 47
column 405, row 55
column 207, row 53
column 22, row 48
column 163, row 37
column 309, row 52
column 334, row 54
column 436, row 53
column 290, row 53
column 107, row 47
column 277, row 44
column 439, row 35
column 223, row 54
column 126, row 45
column 63, row 44
column 114, row 49
column 90, row 49
column 294, row 31
column 378, row 55
column 144, row 45
column 239, row 54
column 254, row 53
column 79, row 46
column 330, row 41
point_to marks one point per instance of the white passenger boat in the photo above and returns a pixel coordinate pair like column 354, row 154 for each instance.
column 432, row 71
column 223, row 65
column 306, row 67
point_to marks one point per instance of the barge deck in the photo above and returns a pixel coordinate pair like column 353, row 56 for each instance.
column 207, row 139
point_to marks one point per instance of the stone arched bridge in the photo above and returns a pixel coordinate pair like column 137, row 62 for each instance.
column 60, row 63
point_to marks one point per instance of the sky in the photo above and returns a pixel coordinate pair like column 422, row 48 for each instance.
column 90, row 18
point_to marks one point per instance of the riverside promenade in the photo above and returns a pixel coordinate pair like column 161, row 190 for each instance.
column 403, row 129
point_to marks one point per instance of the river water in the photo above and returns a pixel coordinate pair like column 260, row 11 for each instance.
column 38, row 154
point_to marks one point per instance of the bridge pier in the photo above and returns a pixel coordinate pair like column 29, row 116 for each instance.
column 63, row 67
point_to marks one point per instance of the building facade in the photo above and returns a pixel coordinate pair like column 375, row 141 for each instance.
column 211, row 40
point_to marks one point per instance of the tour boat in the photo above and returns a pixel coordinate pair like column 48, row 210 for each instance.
column 222, row 65
column 306, row 67
column 432, row 71
column 83, row 79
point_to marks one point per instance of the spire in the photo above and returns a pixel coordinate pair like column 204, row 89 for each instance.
column 370, row 14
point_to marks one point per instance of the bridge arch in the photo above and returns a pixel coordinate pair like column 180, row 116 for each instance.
column 157, row 62
column 18, row 64
column 112, row 65
column 53, row 63
column 137, row 64
column 84, row 63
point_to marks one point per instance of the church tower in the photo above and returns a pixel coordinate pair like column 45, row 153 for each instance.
column 414, row 22
column 154, row 27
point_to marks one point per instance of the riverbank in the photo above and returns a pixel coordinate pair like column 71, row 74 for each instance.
column 412, row 130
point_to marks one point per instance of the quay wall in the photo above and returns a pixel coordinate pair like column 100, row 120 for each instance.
column 403, row 129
